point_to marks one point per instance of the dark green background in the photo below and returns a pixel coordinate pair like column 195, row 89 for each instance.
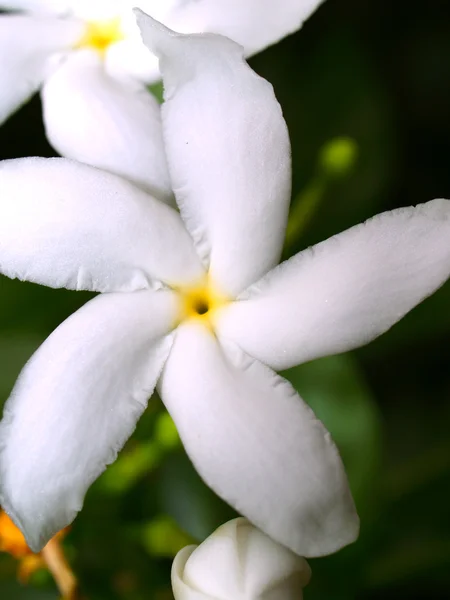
column 377, row 71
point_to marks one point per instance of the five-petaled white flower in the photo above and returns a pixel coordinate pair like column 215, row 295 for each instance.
column 239, row 562
column 89, row 60
column 194, row 303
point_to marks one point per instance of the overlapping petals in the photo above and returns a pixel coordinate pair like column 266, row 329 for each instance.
column 97, row 108
column 28, row 51
column 114, row 116
column 79, row 222
column 64, row 224
column 254, row 24
column 248, row 433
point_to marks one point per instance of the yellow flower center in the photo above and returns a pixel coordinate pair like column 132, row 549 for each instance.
column 201, row 302
column 99, row 35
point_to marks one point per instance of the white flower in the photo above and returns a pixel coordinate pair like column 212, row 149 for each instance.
column 195, row 303
column 239, row 562
column 92, row 67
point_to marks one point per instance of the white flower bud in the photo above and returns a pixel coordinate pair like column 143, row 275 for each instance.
column 239, row 562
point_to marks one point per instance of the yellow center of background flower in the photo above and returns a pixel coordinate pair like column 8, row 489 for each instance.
column 99, row 35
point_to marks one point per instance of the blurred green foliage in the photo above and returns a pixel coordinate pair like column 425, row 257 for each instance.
column 336, row 159
column 365, row 89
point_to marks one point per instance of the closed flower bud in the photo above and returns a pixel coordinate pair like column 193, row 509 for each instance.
column 239, row 562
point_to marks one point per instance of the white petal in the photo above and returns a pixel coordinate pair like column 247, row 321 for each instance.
column 255, row 24
column 27, row 45
column 111, row 124
column 38, row 6
column 346, row 291
column 228, row 152
column 257, row 444
column 76, row 403
column 130, row 58
column 65, row 224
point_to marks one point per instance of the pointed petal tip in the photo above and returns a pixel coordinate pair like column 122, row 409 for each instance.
column 154, row 34
column 34, row 542
column 37, row 542
column 160, row 40
column 348, row 534
column 36, row 534
column 337, row 531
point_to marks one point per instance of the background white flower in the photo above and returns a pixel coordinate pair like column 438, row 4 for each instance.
column 239, row 562
column 168, row 312
column 89, row 60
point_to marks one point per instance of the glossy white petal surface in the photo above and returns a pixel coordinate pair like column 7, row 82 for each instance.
column 228, row 152
column 75, row 404
column 65, row 224
column 27, row 45
column 255, row 24
column 129, row 58
column 111, row 124
column 345, row 291
column 239, row 562
column 257, row 444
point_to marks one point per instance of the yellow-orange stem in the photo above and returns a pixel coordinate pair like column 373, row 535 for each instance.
column 58, row 566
